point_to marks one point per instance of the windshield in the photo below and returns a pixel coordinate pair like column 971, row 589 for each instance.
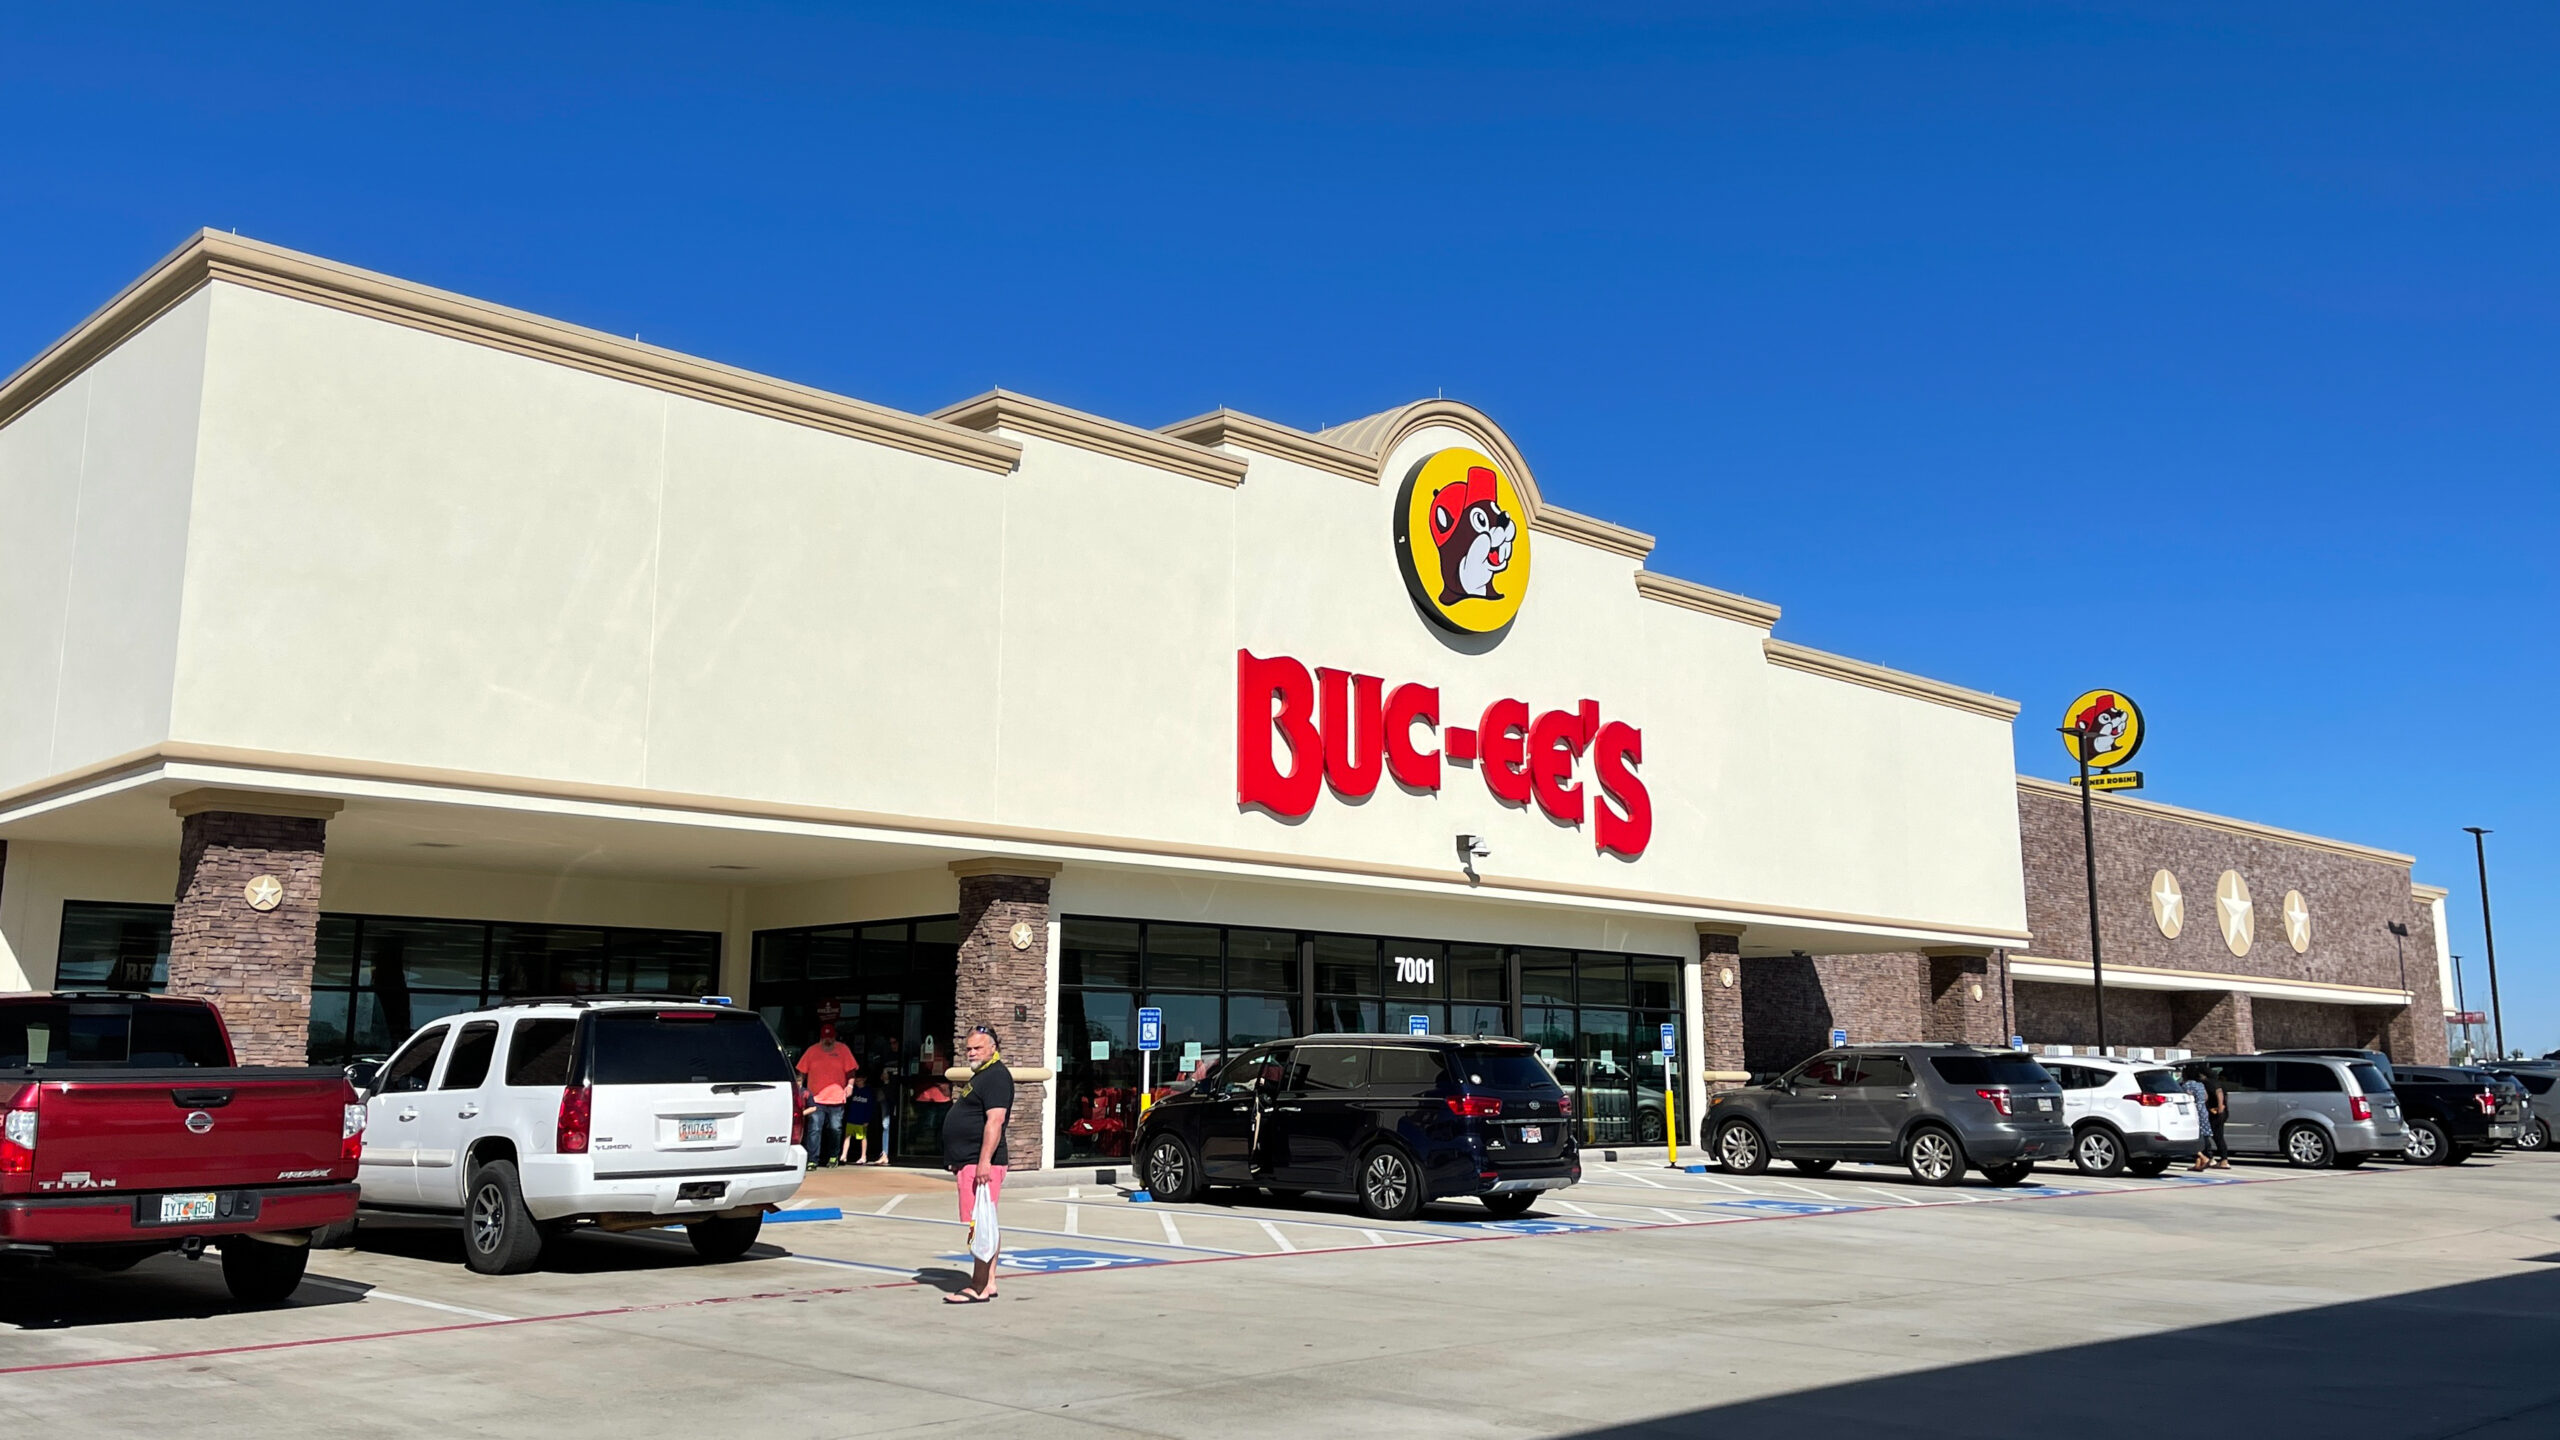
column 680, row 1047
column 110, row 1034
column 2158, row 1082
column 1989, row 1070
column 2368, row 1079
column 1508, row 1068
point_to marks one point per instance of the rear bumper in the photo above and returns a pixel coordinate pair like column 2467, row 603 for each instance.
column 557, row 1187
column 2148, row 1145
column 44, row 1222
column 1513, row 1179
column 2008, row 1144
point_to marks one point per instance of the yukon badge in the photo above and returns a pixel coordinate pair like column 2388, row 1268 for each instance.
column 199, row 1122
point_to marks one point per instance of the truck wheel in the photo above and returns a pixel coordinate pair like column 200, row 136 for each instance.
column 2148, row 1167
column 2536, row 1136
column 2425, row 1144
column 1933, row 1156
column 724, row 1239
column 2307, row 1147
column 1740, row 1149
column 258, row 1273
column 2097, row 1151
column 1168, row 1171
column 1510, row 1204
column 498, row 1233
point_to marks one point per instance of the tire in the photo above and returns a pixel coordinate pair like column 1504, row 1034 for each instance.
column 2455, row 1155
column 2012, row 1174
column 258, row 1273
column 1741, row 1149
column 2098, row 1150
column 1169, row 1171
column 2147, row 1167
column 498, row 1233
column 2426, row 1144
column 722, row 1240
column 1933, row 1156
column 1814, row 1167
column 1510, row 1205
column 2308, row 1147
column 1390, row 1184
column 2536, row 1136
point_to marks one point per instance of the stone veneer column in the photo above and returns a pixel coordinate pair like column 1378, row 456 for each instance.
column 1964, row 991
column 2213, row 1022
column 1005, row 986
column 247, row 923
column 1720, row 997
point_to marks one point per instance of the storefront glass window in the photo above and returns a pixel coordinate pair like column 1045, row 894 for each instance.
column 1346, row 965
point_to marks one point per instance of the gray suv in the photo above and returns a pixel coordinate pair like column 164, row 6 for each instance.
column 1933, row 1108
column 2314, row 1110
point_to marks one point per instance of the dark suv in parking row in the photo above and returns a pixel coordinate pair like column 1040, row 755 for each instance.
column 1934, row 1108
column 1394, row 1119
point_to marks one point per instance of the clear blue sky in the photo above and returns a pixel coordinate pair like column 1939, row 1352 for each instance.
column 2206, row 351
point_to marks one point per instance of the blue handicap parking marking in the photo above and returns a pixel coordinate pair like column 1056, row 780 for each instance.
column 1055, row 1258
column 1527, row 1227
column 1785, row 1207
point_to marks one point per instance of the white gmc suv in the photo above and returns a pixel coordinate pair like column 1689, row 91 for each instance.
column 628, row 1113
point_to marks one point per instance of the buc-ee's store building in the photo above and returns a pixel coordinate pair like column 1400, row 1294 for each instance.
column 368, row 652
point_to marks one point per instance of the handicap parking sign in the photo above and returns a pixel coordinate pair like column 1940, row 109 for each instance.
column 1839, row 1038
column 1417, row 1024
column 1052, row 1259
column 1151, row 1028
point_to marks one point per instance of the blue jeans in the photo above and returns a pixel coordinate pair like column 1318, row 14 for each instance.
column 826, row 1133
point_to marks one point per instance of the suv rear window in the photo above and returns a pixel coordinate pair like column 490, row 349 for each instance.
column 2158, row 1082
column 1989, row 1070
column 109, row 1034
column 1508, row 1068
column 682, row 1047
column 2368, row 1079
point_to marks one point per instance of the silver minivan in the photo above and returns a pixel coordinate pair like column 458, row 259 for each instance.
column 2315, row 1111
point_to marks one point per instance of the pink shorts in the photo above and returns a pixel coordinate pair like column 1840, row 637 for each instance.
column 969, row 1187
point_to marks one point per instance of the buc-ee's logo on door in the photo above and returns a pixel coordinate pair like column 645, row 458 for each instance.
column 1462, row 541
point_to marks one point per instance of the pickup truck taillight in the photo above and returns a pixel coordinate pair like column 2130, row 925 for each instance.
column 351, row 1136
column 577, row 1111
column 1998, row 1095
column 2147, row 1100
column 18, row 1135
column 1475, row 1107
column 2359, row 1108
column 2488, row 1102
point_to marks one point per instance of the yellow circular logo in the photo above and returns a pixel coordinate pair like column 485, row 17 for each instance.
column 2113, row 723
column 1462, row 540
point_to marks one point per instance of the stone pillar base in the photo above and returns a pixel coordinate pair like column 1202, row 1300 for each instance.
column 247, row 923
column 1720, row 998
column 1005, row 986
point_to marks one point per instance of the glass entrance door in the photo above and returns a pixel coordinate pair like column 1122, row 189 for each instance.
column 889, row 987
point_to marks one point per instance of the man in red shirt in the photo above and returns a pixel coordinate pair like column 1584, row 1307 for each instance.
column 828, row 1068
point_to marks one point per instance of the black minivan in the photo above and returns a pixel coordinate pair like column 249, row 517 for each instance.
column 1397, row 1120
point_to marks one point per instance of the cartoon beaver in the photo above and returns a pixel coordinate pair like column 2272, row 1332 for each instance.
column 1474, row 535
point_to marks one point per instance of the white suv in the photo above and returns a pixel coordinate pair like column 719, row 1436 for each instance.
column 2124, row 1114
column 628, row 1113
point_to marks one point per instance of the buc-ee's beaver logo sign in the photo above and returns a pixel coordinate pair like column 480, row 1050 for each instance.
column 1462, row 540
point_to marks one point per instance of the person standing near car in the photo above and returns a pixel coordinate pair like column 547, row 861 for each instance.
column 2218, row 1107
column 828, row 1068
column 973, row 1148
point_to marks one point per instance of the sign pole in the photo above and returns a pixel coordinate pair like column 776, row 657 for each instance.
column 2497, row 1013
column 1670, row 1085
column 2089, row 865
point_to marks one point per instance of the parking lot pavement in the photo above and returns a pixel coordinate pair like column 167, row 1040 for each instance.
column 1649, row 1300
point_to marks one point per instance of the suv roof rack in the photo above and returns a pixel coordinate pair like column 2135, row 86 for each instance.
column 646, row 997
column 114, row 995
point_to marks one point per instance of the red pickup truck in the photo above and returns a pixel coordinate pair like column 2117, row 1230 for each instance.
column 127, row 1131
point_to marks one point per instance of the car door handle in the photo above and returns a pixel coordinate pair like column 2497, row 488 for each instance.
column 1827, row 1096
column 1901, row 1094
column 1239, row 1109
column 1286, row 1109
column 408, row 1114
column 467, row 1112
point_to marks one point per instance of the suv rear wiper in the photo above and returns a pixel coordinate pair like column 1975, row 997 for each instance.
column 740, row 1087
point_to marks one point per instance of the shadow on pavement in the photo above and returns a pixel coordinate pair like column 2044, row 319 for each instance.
column 2465, row 1360
column 581, row 1252
column 164, row 1287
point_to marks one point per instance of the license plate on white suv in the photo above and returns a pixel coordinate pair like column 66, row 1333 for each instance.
column 178, row 1209
column 1532, row 1134
column 691, row 1131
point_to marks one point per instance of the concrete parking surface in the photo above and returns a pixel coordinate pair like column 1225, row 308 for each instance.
column 2381, row 1302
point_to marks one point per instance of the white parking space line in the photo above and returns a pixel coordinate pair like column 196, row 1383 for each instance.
column 1883, row 1194
column 1073, row 1211
column 1276, row 1237
column 1171, row 1235
column 1374, row 1237
column 1639, row 1179
column 892, row 1205
column 1061, row 1234
column 368, row 1292
column 1806, row 1190
column 852, row 1264
column 1569, row 1205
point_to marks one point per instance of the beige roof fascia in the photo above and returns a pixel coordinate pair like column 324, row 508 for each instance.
column 1377, row 437
column 1877, row 677
column 1573, row 525
column 1004, row 409
column 189, row 803
column 1705, row 599
column 1249, row 432
column 2037, row 785
column 2426, row 894
column 2153, row 977
column 210, row 255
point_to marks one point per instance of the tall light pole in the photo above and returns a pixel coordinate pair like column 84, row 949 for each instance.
column 2080, row 735
column 2497, row 1017
column 2460, row 1005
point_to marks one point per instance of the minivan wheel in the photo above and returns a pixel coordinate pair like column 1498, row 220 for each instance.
column 2425, row 1144
column 2097, row 1151
column 498, row 1234
column 1390, row 1188
column 1933, row 1157
column 2307, row 1147
column 724, row 1240
column 1168, row 1171
column 1740, row 1149
column 2536, row 1136
column 1510, row 1204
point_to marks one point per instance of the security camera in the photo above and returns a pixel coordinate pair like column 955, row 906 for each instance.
column 1471, row 848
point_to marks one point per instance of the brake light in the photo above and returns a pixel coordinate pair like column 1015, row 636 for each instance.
column 2488, row 1102
column 577, row 1109
column 1475, row 1107
column 2359, row 1108
column 2147, row 1100
column 1564, row 1105
column 351, row 1136
column 1998, row 1095
column 18, row 1137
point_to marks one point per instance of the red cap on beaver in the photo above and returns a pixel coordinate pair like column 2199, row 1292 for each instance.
column 1456, row 496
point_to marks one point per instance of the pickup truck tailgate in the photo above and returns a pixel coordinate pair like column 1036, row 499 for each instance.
column 209, row 1129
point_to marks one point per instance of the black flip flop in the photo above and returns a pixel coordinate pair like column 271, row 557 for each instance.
column 966, row 1297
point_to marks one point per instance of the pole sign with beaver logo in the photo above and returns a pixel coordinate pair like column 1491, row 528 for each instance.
column 1462, row 542
column 2113, row 724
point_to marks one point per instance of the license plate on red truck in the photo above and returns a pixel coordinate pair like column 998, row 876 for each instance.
column 180, row 1209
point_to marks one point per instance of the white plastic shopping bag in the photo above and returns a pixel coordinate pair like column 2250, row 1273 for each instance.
column 982, row 1224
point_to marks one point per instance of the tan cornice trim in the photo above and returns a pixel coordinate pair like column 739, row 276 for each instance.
column 1018, row 869
column 2427, row 894
column 1573, row 525
column 210, row 256
column 1377, row 437
column 1721, row 927
column 1137, row 851
column 1249, row 432
column 254, row 802
column 1003, row 409
column 2271, row 986
column 2054, row 789
column 1877, row 677
column 1954, row 952
column 1706, row 600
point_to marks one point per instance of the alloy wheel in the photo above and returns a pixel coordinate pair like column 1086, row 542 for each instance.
column 1387, row 1180
column 2097, row 1151
column 2306, row 1147
column 2420, row 1145
column 1933, row 1155
column 488, row 1219
column 1168, row 1170
column 1738, row 1147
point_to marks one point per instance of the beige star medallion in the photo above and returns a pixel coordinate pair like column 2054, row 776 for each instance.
column 2231, row 906
column 2168, row 904
column 263, row 893
column 2297, row 922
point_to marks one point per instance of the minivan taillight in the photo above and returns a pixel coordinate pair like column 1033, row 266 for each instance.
column 18, row 1135
column 1998, row 1095
column 1475, row 1107
column 1564, row 1105
column 2359, row 1108
column 2147, row 1100
column 351, row 1136
column 577, row 1109
column 2488, row 1102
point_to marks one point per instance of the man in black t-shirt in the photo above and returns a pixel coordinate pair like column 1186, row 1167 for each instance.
column 973, row 1148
